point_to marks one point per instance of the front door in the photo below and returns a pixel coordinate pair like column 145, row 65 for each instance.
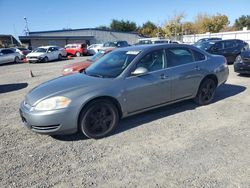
column 151, row 89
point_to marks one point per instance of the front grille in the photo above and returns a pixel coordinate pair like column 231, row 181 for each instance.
column 45, row 128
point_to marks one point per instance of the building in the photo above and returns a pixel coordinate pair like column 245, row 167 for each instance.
column 8, row 41
column 67, row 36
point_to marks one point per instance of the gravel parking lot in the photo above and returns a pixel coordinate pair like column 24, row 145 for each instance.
column 181, row 145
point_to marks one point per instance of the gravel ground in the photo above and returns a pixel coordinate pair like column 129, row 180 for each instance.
column 181, row 145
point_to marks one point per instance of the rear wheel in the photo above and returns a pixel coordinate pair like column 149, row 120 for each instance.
column 98, row 119
column 78, row 54
column 206, row 92
column 17, row 60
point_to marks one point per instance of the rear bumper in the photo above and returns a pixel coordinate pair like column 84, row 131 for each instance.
column 55, row 122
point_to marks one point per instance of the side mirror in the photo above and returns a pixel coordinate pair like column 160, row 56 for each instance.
column 49, row 51
column 139, row 71
column 1, row 54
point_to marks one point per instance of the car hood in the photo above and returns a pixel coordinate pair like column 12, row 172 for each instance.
column 36, row 54
column 63, row 86
column 78, row 64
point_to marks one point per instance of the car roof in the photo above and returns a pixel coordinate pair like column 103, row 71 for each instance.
column 150, row 46
column 47, row 46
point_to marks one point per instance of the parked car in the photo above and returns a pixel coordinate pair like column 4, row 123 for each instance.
column 124, row 82
column 80, row 66
column 207, row 39
column 242, row 63
column 76, row 49
column 229, row 48
column 154, row 40
column 8, row 55
column 94, row 48
column 23, row 51
column 46, row 53
column 115, row 44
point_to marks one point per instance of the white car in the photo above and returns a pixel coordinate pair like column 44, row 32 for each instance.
column 94, row 48
column 46, row 53
column 8, row 55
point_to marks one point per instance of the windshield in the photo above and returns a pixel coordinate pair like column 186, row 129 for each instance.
column 112, row 64
column 97, row 56
column 110, row 44
column 204, row 45
column 40, row 50
column 145, row 42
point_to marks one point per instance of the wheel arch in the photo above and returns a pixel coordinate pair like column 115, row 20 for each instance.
column 108, row 98
column 209, row 76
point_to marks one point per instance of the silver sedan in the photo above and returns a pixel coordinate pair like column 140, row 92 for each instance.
column 126, row 81
column 9, row 55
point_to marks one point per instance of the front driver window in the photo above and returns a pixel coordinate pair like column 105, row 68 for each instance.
column 153, row 61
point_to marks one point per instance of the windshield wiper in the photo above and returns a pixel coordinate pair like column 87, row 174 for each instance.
column 95, row 75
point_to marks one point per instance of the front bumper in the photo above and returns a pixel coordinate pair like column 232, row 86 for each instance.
column 54, row 122
column 242, row 68
column 34, row 59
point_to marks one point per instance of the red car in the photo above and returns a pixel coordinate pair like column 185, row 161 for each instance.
column 80, row 66
column 76, row 49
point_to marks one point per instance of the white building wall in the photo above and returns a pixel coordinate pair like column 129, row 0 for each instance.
column 243, row 35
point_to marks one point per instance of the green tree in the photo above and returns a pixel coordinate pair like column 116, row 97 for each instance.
column 121, row 25
column 188, row 28
column 216, row 23
column 243, row 21
column 148, row 29
column 104, row 27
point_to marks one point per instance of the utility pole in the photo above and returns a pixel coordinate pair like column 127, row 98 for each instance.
column 26, row 29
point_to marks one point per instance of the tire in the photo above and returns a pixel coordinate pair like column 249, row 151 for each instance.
column 78, row 54
column 206, row 92
column 98, row 119
column 16, row 60
column 59, row 57
column 45, row 59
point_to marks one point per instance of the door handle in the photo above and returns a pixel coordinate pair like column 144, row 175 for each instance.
column 197, row 68
column 163, row 76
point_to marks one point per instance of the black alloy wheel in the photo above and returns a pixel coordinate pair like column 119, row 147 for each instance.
column 17, row 60
column 206, row 92
column 99, row 119
column 59, row 57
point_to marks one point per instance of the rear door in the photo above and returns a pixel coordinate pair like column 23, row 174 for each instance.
column 185, row 67
column 231, row 50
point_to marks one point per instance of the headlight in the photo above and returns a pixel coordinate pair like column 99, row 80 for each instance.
column 68, row 70
column 53, row 103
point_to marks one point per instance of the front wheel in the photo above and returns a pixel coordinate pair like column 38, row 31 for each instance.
column 206, row 92
column 99, row 119
column 78, row 54
column 45, row 59
column 16, row 60
column 59, row 57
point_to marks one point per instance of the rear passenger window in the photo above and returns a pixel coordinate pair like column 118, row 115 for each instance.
column 229, row 44
column 198, row 56
column 179, row 56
